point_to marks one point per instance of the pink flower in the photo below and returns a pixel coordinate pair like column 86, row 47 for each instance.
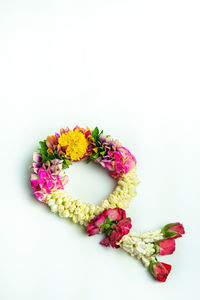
column 165, row 247
column 105, row 242
column 54, row 166
column 117, row 159
column 37, row 161
column 123, row 227
column 44, row 183
column 121, row 162
column 113, row 223
column 50, row 172
column 115, row 214
column 159, row 270
column 173, row 230
column 129, row 159
column 95, row 224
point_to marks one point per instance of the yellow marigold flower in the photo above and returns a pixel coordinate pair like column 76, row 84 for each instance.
column 75, row 142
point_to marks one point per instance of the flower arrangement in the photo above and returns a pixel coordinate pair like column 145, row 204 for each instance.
column 48, row 179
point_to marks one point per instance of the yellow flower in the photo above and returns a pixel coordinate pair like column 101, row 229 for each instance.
column 75, row 142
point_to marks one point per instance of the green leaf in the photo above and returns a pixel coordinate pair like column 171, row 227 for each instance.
column 105, row 227
column 56, row 155
column 102, row 153
column 95, row 132
column 44, row 158
column 108, row 232
column 43, row 150
column 66, row 162
column 96, row 135
column 95, row 155
column 108, row 220
column 50, row 156
column 157, row 248
column 43, row 145
column 88, row 160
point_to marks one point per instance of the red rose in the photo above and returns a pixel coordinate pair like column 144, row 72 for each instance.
column 105, row 242
column 173, row 230
column 113, row 223
column 159, row 270
column 95, row 224
column 115, row 237
column 115, row 214
column 165, row 247
column 119, row 230
column 111, row 215
column 125, row 225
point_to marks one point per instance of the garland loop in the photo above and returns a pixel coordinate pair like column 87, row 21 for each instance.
column 48, row 179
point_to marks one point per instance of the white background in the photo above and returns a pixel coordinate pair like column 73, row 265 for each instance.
column 131, row 68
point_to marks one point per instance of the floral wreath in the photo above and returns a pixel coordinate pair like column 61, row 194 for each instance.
column 48, row 179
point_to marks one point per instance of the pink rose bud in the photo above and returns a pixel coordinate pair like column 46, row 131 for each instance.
column 173, row 230
column 159, row 270
column 165, row 247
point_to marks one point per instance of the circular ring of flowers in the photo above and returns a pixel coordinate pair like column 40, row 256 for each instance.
column 57, row 152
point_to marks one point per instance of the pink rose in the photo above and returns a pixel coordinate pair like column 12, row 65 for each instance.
column 119, row 230
column 173, row 230
column 113, row 223
column 95, row 224
column 115, row 237
column 115, row 214
column 165, row 247
column 105, row 242
column 159, row 270
column 125, row 225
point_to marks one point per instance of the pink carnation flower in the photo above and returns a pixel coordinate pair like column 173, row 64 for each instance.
column 117, row 159
column 122, row 161
column 45, row 183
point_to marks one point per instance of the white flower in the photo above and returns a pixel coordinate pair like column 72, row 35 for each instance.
column 54, row 208
column 65, row 213
column 51, row 202
column 61, row 208
column 59, row 201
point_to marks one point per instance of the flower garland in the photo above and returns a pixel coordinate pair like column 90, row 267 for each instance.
column 81, row 212
column 48, row 180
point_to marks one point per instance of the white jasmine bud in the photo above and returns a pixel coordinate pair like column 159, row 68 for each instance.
column 54, row 208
